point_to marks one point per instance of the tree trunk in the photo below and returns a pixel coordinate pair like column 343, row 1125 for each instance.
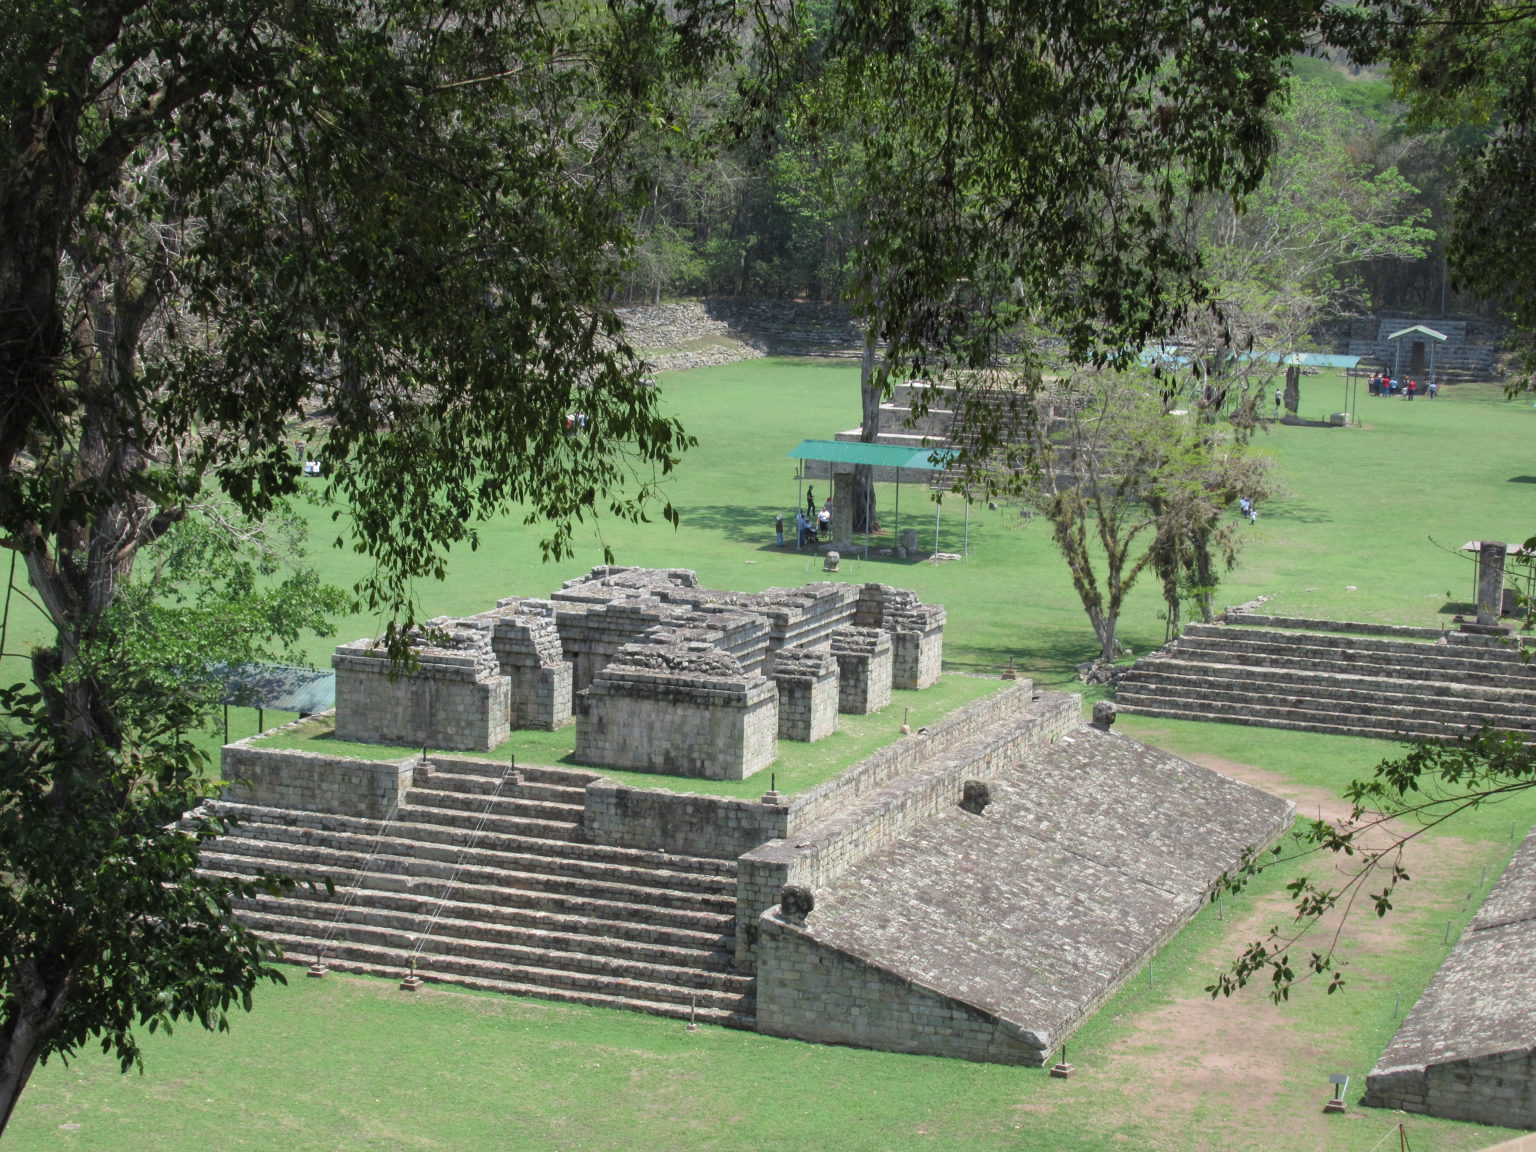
column 38, row 1009
column 871, row 393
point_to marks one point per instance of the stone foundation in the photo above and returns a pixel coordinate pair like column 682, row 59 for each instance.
column 682, row 709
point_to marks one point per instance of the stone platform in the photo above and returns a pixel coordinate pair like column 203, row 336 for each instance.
column 974, row 890
column 1467, row 1050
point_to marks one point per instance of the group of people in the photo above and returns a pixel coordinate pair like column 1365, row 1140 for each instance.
column 1384, row 385
column 810, row 525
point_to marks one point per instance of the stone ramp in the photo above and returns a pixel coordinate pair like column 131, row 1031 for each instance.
column 992, row 936
column 496, row 888
column 1343, row 682
column 1467, row 1050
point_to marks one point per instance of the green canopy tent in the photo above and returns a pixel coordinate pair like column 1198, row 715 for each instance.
column 893, row 456
column 279, row 687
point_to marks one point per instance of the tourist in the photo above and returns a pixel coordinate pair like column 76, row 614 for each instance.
column 1412, row 387
column 802, row 528
column 810, row 501
column 778, row 529
column 824, row 521
column 1434, row 389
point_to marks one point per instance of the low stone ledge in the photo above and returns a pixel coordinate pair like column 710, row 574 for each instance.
column 679, row 822
column 289, row 778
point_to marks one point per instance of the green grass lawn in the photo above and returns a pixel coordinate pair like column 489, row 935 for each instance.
column 1368, row 528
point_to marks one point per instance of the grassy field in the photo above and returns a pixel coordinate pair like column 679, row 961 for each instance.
column 1367, row 528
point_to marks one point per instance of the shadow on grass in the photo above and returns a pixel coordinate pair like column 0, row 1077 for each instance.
column 737, row 522
column 1522, row 480
column 1296, row 514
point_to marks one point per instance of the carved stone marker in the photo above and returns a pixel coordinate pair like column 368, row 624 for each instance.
column 975, row 796
column 1490, row 580
column 796, row 903
column 1104, row 713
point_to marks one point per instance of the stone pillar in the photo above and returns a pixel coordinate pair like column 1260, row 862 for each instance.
column 842, row 508
column 527, row 648
column 864, row 669
column 1490, row 580
column 807, row 680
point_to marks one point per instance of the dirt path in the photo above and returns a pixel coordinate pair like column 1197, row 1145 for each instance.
column 1239, row 1072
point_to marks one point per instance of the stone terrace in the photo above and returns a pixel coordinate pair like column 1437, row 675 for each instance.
column 1328, row 676
column 1467, row 1051
column 1002, row 930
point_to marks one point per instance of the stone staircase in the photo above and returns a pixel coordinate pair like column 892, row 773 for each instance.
column 1334, row 682
column 491, row 885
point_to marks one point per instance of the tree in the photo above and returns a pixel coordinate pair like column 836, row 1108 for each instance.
column 220, row 217
column 1460, row 64
column 1127, row 484
column 1278, row 261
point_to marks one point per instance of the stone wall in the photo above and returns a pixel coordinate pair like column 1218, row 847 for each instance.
column 905, row 756
column 823, row 994
column 454, row 697
column 313, row 782
column 1499, row 1088
column 680, row 823
column 834, row 827
column 682, row 709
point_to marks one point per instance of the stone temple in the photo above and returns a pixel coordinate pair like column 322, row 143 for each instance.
column 973, row 889
column 662, row 675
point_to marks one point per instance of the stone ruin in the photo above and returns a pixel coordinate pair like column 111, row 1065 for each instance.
column 659, row 674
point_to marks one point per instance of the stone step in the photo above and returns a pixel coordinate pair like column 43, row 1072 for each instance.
column 488, row 849
column 1465, row 656
column 306, row 860
column 464, row 940
column 645, row 921
column 452, row 826
column 728, row 1009
column 493, row 805
column 1350, row 662
column 473, row 784
column 1447, row 703
column 1334, row 679
column 495, row 769
column 687, row 947
column 1319, row 720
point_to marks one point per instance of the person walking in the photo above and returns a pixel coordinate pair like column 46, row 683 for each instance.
column 810, row 502
column 778, row 529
